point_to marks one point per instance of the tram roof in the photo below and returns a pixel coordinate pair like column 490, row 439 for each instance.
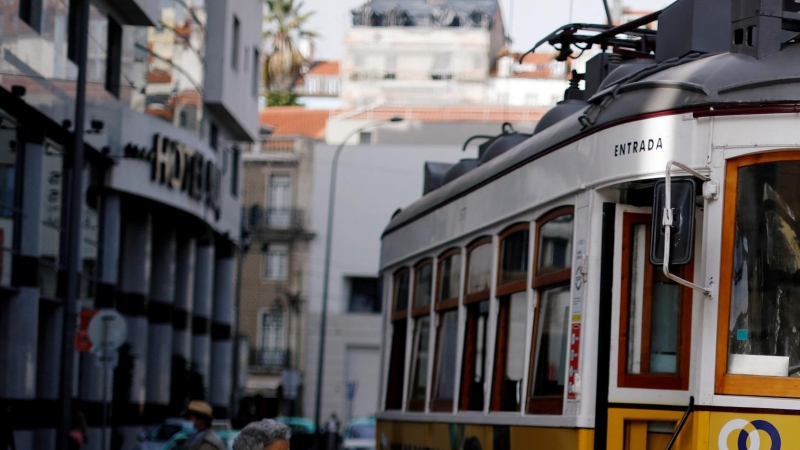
column 704, row 81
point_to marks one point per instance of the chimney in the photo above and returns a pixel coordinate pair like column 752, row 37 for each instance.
column 760, row 27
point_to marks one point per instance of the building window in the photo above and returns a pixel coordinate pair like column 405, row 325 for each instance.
column 256, row 71
column 213, row 137
column 552, row 275
column 72, row 35
column 365, row 138
column 279, row 205
column 235, row 44
column 235, row 172
column 273, row 336
column 30, row 11
column 113, row 56
column 365, row 295
column 444, row 370
column 758, row 352
column 511, row 320
column 276, row 262
column 400, row 293
column 655, row 316
column 420, row 311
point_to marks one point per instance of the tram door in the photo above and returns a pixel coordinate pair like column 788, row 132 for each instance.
column 651, row 325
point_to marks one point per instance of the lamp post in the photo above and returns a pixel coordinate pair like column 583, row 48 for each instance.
column 326, row 274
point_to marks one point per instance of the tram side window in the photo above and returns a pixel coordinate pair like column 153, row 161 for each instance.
column 655, row 315
column 552, row 275
column 476, row 299
column 449, row 276
column 400, row 293
column 420, row 311
column 759, row 319
column 511, row 321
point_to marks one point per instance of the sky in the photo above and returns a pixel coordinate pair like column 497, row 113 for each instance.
column 532, row 19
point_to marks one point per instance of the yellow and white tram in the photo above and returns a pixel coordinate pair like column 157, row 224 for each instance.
column 525, row 302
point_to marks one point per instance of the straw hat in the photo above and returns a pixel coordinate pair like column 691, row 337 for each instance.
column 199, row 408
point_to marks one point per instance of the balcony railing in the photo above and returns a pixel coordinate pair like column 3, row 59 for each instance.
column 272, row 360
column 276, row 219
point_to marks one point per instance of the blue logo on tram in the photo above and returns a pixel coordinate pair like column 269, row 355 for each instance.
column 749, row 430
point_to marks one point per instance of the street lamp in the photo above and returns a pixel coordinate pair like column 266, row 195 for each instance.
column 326, row 275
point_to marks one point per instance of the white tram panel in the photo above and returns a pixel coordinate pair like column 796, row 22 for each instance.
column 588, row 163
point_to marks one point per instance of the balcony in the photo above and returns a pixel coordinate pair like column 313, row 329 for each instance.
column 273, row 219
column 269, row 360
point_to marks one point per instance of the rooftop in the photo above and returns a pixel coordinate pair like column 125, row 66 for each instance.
column 430, row 13
column 295, row 121
column 323, row 68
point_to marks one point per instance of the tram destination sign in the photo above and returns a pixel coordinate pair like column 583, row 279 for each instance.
column 181, row 167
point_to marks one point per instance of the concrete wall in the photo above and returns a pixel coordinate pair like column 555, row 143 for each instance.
column 229, row 88
column 373, row 181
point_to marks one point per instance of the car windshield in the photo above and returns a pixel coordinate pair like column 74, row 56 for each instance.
column 362, row 431
column 164, row 432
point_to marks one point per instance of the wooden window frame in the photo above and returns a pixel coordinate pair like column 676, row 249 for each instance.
column 725, row 383
column 467, row 365
column 479, row 296
column 396, row 378
column 417, row 311
column 442, row 306
column 415, row 404
column 399, row 315
column 514, row 286
column 679, row 380
column 561, row 276
column 446, row 303
column 545, row 405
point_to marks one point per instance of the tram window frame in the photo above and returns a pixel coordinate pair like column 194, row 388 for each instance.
column 484, row 294
column 647, row 380
column 475, row 312
column 547, row 405
column 504, row 294
column 725, row 383
column 397, row 359
column 443, row 306
column 418, row 316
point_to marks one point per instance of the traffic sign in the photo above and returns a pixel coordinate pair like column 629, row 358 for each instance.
column 107, row 331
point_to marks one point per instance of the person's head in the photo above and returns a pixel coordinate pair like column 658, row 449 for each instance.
column 200, row 414
column 264, row 435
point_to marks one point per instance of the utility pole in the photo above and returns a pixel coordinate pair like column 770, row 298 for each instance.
column 70, row 237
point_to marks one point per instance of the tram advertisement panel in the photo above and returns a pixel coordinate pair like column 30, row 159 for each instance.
column 735, row 431
column 444, row 436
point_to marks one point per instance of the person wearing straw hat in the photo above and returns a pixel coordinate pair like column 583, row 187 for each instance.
column 201, row 415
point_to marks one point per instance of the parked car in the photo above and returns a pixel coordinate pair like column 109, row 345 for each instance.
column 157, row 437
column 359, row 434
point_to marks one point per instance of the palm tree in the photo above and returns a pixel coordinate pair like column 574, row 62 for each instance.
column 285, row 24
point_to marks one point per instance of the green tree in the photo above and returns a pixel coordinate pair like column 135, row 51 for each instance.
column 285, row 25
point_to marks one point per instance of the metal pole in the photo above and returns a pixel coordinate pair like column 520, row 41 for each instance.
column 70, row 258
column 326, row 274
column 608, row 13
column 106, row 364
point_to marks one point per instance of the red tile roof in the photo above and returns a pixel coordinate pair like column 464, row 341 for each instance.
column 295, row 121
column 496, row 114
column 324, row 68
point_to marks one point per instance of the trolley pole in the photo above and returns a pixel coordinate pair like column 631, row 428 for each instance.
column 72, row 189
column 327, row 270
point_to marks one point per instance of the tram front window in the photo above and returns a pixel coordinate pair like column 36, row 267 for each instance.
column 764, row 320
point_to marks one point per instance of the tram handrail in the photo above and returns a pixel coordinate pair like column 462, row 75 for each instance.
column 681, row 423
column 667, row 224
